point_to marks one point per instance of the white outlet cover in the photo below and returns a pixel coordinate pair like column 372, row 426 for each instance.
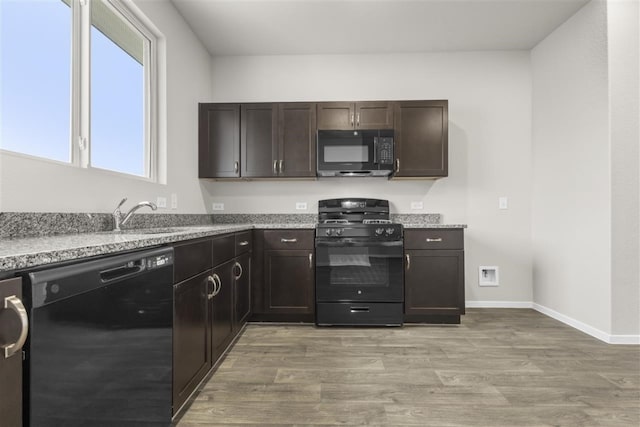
column 174, row 201
column 161, row 202
column 503, row 202
column 417, row 205
column 301, row 206
column 217, row 206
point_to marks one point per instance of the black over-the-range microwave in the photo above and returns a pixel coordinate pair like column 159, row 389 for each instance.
column 355, row 152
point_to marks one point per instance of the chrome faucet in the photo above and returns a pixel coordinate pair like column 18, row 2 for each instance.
column 119, row 219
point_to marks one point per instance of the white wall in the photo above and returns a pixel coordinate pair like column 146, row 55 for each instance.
column 28, row 185
column 489, row 97
column 623, row 19
column 571, row 215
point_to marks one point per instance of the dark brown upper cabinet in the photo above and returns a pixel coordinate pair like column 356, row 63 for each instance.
column 258, row 147
column 355, row 115
column 219, row 141
column 421, row 139
column 296, row 140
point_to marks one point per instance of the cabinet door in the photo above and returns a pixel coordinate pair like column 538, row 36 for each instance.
column 219, row 141
column 11, row 367
column 258, row 142
column 374, row 115
column 191, row 347
column 297, row 139
column 434, row 282
column 421, row 139
column 289, row 281
column 221, row 310
column 242, row 290
column 336, row 115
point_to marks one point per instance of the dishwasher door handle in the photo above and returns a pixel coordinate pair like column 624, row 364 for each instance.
column 123, row 271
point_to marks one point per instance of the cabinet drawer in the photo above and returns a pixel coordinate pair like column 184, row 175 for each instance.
column 436, row 238
column 288, row 239
column 191, row 258
column 370, row 314
column 224, row 248
column 244, row 242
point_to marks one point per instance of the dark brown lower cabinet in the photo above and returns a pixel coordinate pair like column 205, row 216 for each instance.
column 283, row 276
column 242, row 291
column 434, row 278
column 191, row 349
column 221, row 310
column 10, row 367
column 289, row 281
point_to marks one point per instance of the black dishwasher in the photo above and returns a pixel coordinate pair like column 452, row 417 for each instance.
column 99, row 352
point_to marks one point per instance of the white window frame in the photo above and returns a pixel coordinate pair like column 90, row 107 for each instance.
column 80, row 114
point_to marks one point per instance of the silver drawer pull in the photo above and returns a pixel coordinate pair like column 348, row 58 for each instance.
column 310, row 261
column 14, row 303
column 439, row 239
column 243, row 243
column 211, row 280
column 359, row 309
column 408, row 261
column 283, row 240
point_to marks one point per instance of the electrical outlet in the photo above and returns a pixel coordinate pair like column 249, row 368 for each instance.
column 217, row 206
column 161, row 202
column 174, row 201
column 503, row 202
column 417, row 205
column 301, row 206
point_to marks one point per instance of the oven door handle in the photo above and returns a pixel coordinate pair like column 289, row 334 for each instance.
column 358, row 243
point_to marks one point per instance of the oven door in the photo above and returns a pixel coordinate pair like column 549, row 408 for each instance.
column 359, row 270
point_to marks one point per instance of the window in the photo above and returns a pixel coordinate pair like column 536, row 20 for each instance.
column 86, row 97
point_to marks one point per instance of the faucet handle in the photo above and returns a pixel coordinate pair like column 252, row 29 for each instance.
column 121, row 203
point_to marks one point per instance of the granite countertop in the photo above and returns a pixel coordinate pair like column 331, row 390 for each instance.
column 23, row 253
column 29, row 252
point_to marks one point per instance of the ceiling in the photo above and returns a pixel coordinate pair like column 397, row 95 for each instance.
column 292, row 27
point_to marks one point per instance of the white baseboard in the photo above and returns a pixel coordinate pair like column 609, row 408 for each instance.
column 581, row 326
column 587, row 329
column 498, row 304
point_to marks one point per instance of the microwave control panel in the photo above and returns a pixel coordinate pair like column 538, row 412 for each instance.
column 385, row 150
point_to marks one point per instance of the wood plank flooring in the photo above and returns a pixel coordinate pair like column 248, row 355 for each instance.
column 500, row 367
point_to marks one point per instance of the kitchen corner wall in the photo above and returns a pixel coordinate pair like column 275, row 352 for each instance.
column 489, row 97
column 585, row 167
column 31, row 185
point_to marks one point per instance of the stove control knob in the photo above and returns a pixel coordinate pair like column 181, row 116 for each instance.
column 379, row 231
column 339, row 232
column 329, row 231
column 390, row 231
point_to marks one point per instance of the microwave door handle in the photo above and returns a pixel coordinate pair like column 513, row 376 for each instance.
column 375, row 150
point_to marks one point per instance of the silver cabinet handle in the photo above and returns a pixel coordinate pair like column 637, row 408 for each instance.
column 310, row 261
column 218, row 284
column 13, row 303
column 211, row 280
column 351, row 119
column 283, row 240
column 408, row 257
column 438, row 239
column 397, row 165
column 275, row 167
column 236, row 166
column 243, row 243
column 281, row 165
column 358, row 119
column 239, row 267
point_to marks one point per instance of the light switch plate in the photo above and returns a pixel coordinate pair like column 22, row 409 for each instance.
column 503, row 202
column 417, row 205
column 217, row 206
column 301, row 206
column 161, row 202
column 174, row 201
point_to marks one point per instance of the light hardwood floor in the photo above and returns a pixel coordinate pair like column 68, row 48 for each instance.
column 500, row 367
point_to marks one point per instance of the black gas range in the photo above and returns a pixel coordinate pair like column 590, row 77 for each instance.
column 359, row 264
